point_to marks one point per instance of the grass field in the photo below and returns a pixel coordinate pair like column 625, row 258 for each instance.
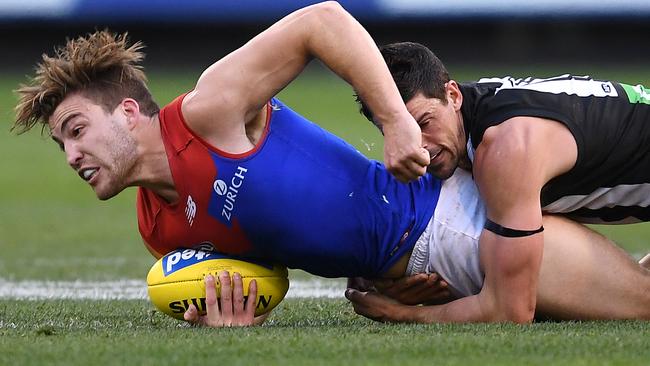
column 52, row 228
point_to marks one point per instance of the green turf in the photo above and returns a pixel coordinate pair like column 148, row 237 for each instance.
column 301, row 332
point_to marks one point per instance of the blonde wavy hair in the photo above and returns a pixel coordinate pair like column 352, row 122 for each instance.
column 101, row 66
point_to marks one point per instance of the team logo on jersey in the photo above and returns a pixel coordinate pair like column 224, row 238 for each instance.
column 190, row 210
column 607, row 88
column 220, row 187
column 227, row 190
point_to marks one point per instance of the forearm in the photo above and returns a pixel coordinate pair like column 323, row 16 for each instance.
column 344, row 46
column 464, row 310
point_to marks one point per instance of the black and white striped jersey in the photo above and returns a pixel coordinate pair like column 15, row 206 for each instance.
column 610, row 122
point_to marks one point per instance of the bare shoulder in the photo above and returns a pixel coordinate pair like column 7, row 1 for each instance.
column 528, row 144
column 516, row 159
column 529, row 131
column 218, row 120
column 203, row 115
column 202, row 108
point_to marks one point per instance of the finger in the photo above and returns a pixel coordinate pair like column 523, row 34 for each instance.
column 382, row 284
column 441, row 281
column 213, row 316
column 415, row 169
column 237, row 294
column 351, row 294
column 408, row 171
column 422, row 157
column 436, row 282
column 441, row 289
column 362, row 304
column 360, row 283
column 412, row 290
column 362, row 310
column 251, row 302
column 191, row 315
column 417, row 295
column 400, row 174
column 356, row 297
column 226, row 297
column 396, row 167
column 403, row 284
column 421, row 281
column 430, row 292
column 415, row 280
column 419, row 157
column 428, row 283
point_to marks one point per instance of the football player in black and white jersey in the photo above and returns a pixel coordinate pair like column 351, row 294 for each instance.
column 568, row 145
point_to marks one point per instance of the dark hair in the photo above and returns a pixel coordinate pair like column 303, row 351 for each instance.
column 102, row 67
column 415, row 69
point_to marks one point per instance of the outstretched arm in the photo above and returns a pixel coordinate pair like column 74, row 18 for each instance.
column 504, row 297
column 233, row 90
column 512, row 164
column 572, row 283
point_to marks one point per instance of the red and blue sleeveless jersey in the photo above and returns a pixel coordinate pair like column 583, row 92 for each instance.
column 302, row 197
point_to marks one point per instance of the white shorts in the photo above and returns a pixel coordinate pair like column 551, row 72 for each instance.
column 449, row 244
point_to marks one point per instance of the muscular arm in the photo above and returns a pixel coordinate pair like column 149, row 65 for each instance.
column 512, row 164
column 510, row 175
column 233, row 91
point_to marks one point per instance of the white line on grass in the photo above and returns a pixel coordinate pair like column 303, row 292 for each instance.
column 135, row 289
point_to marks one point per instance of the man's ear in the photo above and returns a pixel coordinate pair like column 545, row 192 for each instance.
column 455, row 97
column 131, row 110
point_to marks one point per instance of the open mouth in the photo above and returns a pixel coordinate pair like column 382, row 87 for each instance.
column 88, row 173
column 435, row 155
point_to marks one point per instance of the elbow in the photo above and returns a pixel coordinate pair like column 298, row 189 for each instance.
column 524, row 316
column 521, row 313
column 328, row 7
column 329, row 13
column 518, row 312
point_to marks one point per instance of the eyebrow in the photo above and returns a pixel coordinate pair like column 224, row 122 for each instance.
column 422, row 116
column 64, row 123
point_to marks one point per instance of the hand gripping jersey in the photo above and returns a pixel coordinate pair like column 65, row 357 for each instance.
column 302, row 197
column 610, row 122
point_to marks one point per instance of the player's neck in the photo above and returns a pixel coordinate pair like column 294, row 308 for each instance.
column 152, row 169
column 463, row 159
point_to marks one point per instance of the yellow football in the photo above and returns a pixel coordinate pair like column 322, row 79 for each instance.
column 177, row 280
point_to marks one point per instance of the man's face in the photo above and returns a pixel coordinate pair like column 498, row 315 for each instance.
column 97, row 145
column 442, row 131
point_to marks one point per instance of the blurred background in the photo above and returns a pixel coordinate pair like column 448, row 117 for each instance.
column 51, row 224
column 195, row 32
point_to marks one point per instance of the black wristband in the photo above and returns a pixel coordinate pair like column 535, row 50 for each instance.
column 508, row 232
